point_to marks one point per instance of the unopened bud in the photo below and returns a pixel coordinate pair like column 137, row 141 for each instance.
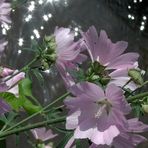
column 136, row 76
column 145, row 108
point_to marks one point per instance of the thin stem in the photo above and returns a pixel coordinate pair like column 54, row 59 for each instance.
column 35, row 114
column 54, row 109
column 137, row 96
column 126, row 83
column 23, row 69
column 145, row 83
column 29, row 127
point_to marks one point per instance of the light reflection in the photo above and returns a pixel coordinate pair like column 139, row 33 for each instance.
column 144, row 17
column 42, row 27
column 142, row 28
column 20, row 41
column 4, row 31
column 36, row 32
column 31, row 6
column 45, row 17
column 19, row 51
column 40, row 2
column 28, row 18
column 32, row 37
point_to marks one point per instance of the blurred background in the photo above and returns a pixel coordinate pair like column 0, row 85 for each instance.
column 32, row 20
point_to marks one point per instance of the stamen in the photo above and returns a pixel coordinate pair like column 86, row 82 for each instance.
column 100, row 111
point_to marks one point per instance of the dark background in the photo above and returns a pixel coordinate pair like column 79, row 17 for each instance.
column 121, row 19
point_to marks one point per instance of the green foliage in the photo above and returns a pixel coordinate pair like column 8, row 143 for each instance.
column 9, row 119
column 12, row 100
column 25, row 87
column 78, row 75
column 25, row 91
column 16, row 3
column 64, row 141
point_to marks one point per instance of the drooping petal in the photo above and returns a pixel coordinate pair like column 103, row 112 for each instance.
column 105, row 137
column 4, row 107
column 43, row 134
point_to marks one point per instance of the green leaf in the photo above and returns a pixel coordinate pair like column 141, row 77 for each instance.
column 64, row 140
column 25, row 87
column 12, row 100
column 78, row 144
column 39, row 76
column 29, row 107
column 3, row 143
column 25, row 90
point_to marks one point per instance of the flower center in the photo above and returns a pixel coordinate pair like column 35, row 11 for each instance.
column 104, row 106
column 98, row 72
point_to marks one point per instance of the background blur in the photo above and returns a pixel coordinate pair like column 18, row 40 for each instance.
column 121, row 19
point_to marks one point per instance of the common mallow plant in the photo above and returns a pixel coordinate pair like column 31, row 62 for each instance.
column 104, row 99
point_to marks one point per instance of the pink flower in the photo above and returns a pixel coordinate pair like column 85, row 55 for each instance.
column 68, row 53
column 43, row 134
column 110, row 55
column 107, row 53
column 129, row 138
column 4, row 72
column 5, row 9
column 95, row 114
column 10, row 84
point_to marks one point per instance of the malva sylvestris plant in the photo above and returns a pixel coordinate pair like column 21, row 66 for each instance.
column 102, row 105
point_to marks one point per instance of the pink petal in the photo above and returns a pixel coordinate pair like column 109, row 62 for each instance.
column 105, row 137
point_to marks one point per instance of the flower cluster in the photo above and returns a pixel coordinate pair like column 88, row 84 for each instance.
column 100, row 79
column 8, row 83
column 98, row 106
column 103, row 82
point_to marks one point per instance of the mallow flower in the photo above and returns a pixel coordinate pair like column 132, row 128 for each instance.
column 42, row 134
column 128, row 138
column 9, row 84
column 96, row 114
column 67, row 53
column 110, row 55
column 5, row 9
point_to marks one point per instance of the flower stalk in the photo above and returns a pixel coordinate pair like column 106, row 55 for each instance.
column 29, row 127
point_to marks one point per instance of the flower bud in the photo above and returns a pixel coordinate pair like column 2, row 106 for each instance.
column 145, row 108
column 136, row 76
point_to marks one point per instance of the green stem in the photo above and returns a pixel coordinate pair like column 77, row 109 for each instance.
column 54, row 109
column 129, row 99
column 29, row 127
column 35, row 114
column 25, row 68
column 126, row 83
